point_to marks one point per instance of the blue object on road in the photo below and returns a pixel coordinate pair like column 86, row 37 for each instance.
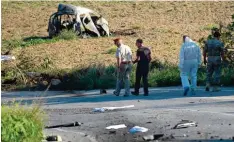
column 138, row 129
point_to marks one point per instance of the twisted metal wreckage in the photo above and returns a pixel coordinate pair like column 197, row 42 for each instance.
column 84, row 21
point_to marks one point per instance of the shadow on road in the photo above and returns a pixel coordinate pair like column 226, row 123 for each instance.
column 53, row 98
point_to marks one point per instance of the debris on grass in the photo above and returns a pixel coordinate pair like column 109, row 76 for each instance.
column 7, row 57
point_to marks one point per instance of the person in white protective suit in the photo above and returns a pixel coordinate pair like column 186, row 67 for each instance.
column 189, row 61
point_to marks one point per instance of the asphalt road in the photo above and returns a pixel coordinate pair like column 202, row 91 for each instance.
column 159, row 112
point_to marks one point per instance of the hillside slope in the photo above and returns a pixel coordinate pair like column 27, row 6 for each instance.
column 160, row 24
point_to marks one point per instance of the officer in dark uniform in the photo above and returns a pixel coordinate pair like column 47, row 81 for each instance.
column 214, row 50
column 143, row 59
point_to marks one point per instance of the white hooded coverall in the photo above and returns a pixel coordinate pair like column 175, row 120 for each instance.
column 189, row 60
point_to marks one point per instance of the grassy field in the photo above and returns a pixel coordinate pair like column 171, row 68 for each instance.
column 160, row 24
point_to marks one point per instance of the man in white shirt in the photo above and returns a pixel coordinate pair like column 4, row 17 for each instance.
column 124, row 66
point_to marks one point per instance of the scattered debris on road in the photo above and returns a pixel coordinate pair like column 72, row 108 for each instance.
column 214, row 137
column 152, row 137
column 98, row 110
column 185, row 124
column 138, row 129
column 114, row 108
column 65, row 125
column 110, row 108
column 116, row 126
column 56, row 138
column 149, row 122
column 103, row 91
column 112, row 132
column 191, row 102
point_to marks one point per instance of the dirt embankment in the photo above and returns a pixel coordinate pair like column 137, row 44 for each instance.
column 160, row 24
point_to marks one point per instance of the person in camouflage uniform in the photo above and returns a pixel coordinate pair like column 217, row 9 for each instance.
column 213, row 56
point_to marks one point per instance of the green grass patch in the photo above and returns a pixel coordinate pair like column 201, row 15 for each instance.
column 66, row 35
column 32, row 41
column 210, row 26
column 21, row 124
column 111, row 50
column 17, row 43
column 104, row 77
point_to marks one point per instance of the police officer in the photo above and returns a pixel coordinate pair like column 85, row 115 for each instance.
column 213, row 55
column 213, row 30
column 124, row 66
column 143, row 59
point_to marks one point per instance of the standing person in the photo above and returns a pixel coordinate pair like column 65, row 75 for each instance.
column 143, row 59
column 189, row 60
column 124, row 66
column 214, row 49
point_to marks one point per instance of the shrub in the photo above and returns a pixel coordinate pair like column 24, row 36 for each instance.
column 111, row 50
column 166, row 77
column 66, row 35
column 101, row 77
column 227, row 78
column 21, row 124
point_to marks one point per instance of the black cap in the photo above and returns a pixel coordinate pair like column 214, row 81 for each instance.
column 139, row 40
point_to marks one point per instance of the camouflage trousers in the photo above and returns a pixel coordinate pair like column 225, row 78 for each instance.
column 213, row 71
column 123, row 77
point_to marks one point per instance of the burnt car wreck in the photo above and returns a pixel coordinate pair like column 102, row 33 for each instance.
column 83, row 21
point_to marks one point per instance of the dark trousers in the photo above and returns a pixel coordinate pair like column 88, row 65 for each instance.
column 216, row 70
column 142, row 72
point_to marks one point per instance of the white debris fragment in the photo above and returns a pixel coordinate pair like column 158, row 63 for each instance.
column 114, row 108
column 110, row 108
column 98, row 110
column 185, row 124
column 116, row 126
column 7, row 57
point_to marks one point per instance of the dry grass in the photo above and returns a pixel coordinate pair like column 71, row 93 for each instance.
column 160, row 24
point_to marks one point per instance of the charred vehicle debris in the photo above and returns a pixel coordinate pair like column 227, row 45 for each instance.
column 83, row 21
